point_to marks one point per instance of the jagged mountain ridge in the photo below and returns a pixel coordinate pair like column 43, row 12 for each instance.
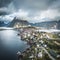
column 48, row 24
column 20, row 21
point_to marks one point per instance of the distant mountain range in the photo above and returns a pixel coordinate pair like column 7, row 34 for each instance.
column 2, row 24
column 47, row 24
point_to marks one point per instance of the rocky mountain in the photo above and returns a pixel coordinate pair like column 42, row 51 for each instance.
column 2, row 24
column 48, row 24
column 18, row 21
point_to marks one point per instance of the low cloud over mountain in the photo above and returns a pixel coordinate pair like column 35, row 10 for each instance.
column 31, row 10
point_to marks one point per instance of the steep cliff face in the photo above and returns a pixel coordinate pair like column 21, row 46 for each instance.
column 18, row 21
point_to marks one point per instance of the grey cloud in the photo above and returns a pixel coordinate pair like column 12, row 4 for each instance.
column 57, row 18
column 31, row 6
column 3, row 13
column 7, row 10
column 55, row 5
column 4, row 3
column 3, row 6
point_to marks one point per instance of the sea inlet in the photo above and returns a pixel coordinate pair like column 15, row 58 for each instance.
column 10, row 44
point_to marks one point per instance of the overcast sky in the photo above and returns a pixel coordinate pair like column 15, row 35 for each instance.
column 31, row 10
